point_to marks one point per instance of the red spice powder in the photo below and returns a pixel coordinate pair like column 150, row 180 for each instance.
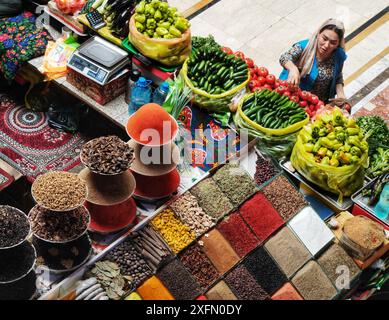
column 238, row 234
column 151, row 116
column 261, row 216
column 287, row 292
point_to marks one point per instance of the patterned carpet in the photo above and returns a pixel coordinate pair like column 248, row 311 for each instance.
column 5, row 179
column 28, row 144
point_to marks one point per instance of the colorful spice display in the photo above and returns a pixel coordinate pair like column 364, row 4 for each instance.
column 235, row 182
column 179, row 281
column 286, row 292
column 188, row 210
column 153, row 289
column 264, row 269
column 287, row 251
column 220, row 292
column 244, row 285
column 199, row 266
column 284, row 197
column 14, row 226
column 238, row 234
column 261, row 216
column 219, row 251
column 212, row 199
column 264, row 170
column 313, row 284
column 177, row 235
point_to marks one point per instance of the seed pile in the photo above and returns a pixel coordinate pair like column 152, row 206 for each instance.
column 238, row 234
column 212, row 199
column 244, row 285
column 199, row 266
column 261, row 216
column 188, row 210
column 313, row 284
column 284, row 197
column 235, row 182
column 54, row 226
column 177, row 235
column 286, row 292
column 154, row 289
column 179, row 281
column 264, row 170
column 220, row 292
column 263, row 268
column 15, row 262
column 14, row 226
column 152, row 247
column 59, row 190
column 108, row 155
column 130, row 261
column 287, row 251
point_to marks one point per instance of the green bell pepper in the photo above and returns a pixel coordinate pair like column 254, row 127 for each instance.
column 164, row 24
column 149, row 10
column 151, row 23
column 163, row 6
column 175, row 32
column 355, row 151
column 140, row 26
column 352, row 131
column 158, row 15
column 308, row 147
column 325, row 161
column 140, row 8
column 181, row 24
column 140, row 18
column 169, row 36
column 162, row 31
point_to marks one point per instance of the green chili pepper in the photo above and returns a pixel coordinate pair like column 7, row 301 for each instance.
column 181, row 24
column 322, row 152
column 355, row 151
column 337, row 118
column 325, row 161
column 308, row 147
column 151, row 23
column 341, row 136
column 323, row 132
column 355, row 159
column 140, row 8
column 334, row 162
column 329, row 153
column 169, row 36
column 345, row 158
column 139, row 26
column 327, row 142
column 364, row 146
column 331, row 136
column 351, row 123
column 352, row 131
column 140, row 18
column 158, row 15
column 317, row 146
column 305, row 136
column 175, row 32
column 354, row 140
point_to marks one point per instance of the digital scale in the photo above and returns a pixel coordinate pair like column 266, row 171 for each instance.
column 98, row 60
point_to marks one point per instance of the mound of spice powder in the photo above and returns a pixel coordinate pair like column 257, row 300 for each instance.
column 235, row 182
column 260, row 215
column 238, row 234
column 286, row 292
column 179, row 281
column 218, row 250
column 199, row 266
column 211, row 198
column 284, row 197
column 176, row 234
column 264, row 269
column 264, row 170
column 313, row 284
column 287, row 250
column 332, row 259
column 14, row 226
column 220, row 292
column 188, row 210
column 244, row 285
column 153, row 289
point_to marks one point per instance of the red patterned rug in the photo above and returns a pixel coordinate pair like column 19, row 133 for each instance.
column 28, row 144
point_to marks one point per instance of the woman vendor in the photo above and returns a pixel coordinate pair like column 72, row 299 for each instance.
column 316, row 64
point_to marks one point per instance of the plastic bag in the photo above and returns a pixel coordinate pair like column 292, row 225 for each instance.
column 343, row 180
column 273, row 142
column 169, row 52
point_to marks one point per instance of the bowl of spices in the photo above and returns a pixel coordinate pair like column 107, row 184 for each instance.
column 14, row 227
column 59, row 191
column 108, row 155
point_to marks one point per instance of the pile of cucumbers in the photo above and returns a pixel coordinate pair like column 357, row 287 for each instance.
column 272, row 110
column 215, row 71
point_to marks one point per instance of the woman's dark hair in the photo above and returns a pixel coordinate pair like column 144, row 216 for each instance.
column 334, row 28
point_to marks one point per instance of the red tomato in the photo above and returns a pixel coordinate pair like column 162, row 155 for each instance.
column 261, row 80
column 263, row 72
column 227, row 50
column 283, row 83
column 320, row 104
column 295, row 98
column 287, row 93
column 249, row 62
column 268, row 86
column 303, row 103
column 253, row 75
column 253, row 84
column 239, row 55
column 314, row 99
column 270, row 79
column 307, row 110
column 281, row 89
column 305, row 95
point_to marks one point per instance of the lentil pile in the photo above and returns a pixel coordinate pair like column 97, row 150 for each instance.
column 59, row 190
column 244, row 285
column 188, row 210
column 264, row 170
column 130, row 261
column 212, row 199
column 220, row 292
column 284, row 197
column 179, row 281
column 154, row 289
column 238, row 234
column 199, row 266
column 14, row 226
column 286, row 292
column 108, row 155
column 263, row 268
column 235, row 182
column 54, row 226
column 177, row 235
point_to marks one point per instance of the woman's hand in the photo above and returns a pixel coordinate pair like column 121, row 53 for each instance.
column 294, row 75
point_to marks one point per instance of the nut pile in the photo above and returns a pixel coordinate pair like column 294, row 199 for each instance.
column 108, row 155
column 176, row 234
column 59, row 191
column 14, row 226
column 264, row 170
column 188, row 210
column 49, row 225
column 130, row 261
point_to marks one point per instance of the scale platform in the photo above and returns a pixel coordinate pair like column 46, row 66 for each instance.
column 98, row 60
